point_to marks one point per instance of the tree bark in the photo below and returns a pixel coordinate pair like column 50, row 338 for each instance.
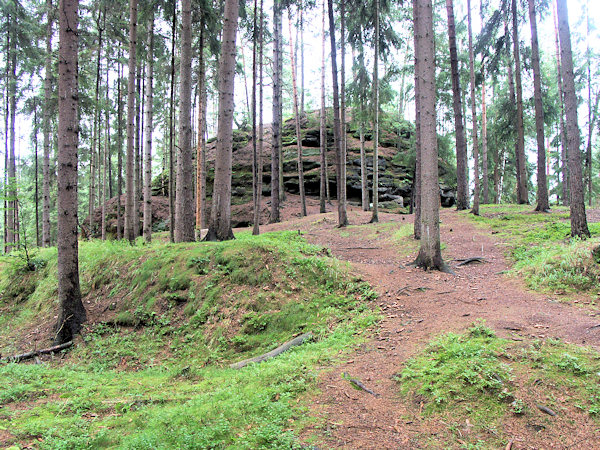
column 542, row 185
column 475, row 209
column 12, row 225
column 375, row 215
column 416, row 188
column 342, row 216
column 46, row 125
column 342, row 198
column 106, row 150
column 120, row 231
column 200, row 150
column 259, row 168
column 95, row 147
column 430, row 256
column 35, row 163
column 522, row 193
column 276, row 126
column 484, row 142
column 462, row 188
column 297, row 117
column 148, row 133
column 220, row 220
column 71, row 311
column 579, row 225
column 137, row 144
column 172, row 129
column 323, row 120
column 130, row 188
column 184, row 212
column 563, row 129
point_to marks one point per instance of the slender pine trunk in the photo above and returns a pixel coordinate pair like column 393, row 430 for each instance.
column 148, row 134
column 46, row 125
column 375, row 216
column 130, row 187
column 297, row 117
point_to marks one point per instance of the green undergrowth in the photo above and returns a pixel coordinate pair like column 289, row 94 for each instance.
column 493, row 384
column 166, row 320
column 542, row 249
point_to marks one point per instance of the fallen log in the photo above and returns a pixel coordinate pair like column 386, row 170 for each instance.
column 33, row 354
column 278, row 351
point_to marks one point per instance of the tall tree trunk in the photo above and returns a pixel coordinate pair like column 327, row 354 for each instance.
column 172, row 129
column 276, row 126
column 148, row 133
column 130, row 188
column 220, row 220
column 256, row 216
column 375, row 216
column 484, row 142
column 522, row 193
column 136, row 146
column 120, row 231
column 200, row 151
column 323, row 120
column 430, row 255
column 563, row 130
column 592, row 113
column 542, row 185
column 579, row 225
column 46, row 125
column 337, row 134
column 184, row 212
column 106, row 150
column 462, row 187
column 475, row 209
column 301, row 6
column 12, row 226
column 342, row 178
column 415, row 203
column 259, row 168
column 297, row 117
column 95, row 147
column 35, row 163
column 71, row 311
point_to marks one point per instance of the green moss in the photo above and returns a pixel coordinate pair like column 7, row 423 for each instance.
column 478, row 378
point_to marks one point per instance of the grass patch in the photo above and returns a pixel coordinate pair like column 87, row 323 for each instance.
column 495, row 384
column 153, row 370
column 541, row 247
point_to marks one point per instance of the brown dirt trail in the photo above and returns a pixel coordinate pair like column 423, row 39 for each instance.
column 417, row 306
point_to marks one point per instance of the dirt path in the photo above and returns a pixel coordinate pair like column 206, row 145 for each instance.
column 419, row 305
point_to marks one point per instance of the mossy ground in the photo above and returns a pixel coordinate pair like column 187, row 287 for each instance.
column 482, row 386
column 542, row 249
column 165, row 321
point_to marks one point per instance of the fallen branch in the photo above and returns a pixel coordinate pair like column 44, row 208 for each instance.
column 359, row 248
column 33, row 354
column 278, row 351
column 359, row 385
column 545, row 409
column 466, row 261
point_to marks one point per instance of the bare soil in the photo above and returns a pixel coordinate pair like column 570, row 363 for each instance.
column 419, row 305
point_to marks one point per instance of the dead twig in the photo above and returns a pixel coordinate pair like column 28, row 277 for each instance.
column 36, row 353
column 466, row 261
column 545, row 409
column 356, row 383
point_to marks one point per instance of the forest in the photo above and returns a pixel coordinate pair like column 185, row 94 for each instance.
column 300, row 224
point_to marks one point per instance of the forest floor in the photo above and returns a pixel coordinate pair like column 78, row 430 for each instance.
column 504, row 353
column 418, row 306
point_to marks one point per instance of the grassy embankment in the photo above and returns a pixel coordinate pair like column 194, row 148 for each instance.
column 542, row 249
column 151, row 369
column 481, row 391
